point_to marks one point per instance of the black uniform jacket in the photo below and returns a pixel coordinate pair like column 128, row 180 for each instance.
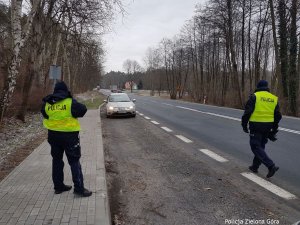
column 259, row 127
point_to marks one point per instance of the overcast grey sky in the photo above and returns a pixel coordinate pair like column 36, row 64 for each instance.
column 147, row 23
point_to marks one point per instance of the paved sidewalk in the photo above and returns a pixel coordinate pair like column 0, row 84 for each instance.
column 27, row 195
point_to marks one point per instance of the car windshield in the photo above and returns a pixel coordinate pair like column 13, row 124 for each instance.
column 119, row 98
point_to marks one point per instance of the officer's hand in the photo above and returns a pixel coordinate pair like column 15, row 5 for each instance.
column 245, row 129
column 272, row 137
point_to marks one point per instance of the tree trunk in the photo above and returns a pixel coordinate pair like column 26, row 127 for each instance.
column 243, row 46
column 293, row 76
column 259, row 46
column 19, row 39
column 283, row 46
column 68, row 72
column 298, row 66
column 57, row 48
column 277, row 87
column 266, row 57
column 249, row 47
column 28, row 79
column 233, row 55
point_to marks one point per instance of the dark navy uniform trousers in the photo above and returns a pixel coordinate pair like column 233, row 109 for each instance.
column 69, row 143
column 258, row 142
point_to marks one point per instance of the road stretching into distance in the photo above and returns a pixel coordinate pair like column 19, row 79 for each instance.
column 216, row 133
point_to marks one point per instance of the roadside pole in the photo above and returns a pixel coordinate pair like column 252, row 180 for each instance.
column 55, row 74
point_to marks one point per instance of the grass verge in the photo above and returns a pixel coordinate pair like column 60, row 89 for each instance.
column 93, row 101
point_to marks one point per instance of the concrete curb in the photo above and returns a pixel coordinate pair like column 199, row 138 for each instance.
column 100, row 167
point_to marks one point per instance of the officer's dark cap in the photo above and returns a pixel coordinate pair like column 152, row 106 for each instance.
column 60, row 86
column 262, row 84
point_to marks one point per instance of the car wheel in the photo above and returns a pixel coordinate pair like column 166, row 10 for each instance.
column 107, row 116
column 133, row 115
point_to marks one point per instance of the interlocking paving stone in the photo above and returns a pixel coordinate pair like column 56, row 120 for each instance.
column 27, row 195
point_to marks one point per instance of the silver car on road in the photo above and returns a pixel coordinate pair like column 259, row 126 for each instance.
column 119, row 104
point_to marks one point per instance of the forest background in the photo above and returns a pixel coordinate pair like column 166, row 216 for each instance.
column 222, row 52
column 219, row 55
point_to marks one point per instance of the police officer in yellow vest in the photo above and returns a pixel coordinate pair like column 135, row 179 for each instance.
column 60, row 113
column 263, row 115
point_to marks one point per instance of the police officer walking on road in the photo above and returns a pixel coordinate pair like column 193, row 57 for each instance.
column 60, row 113
column 262, row 113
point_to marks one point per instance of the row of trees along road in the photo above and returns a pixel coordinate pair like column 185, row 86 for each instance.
column 51, row 32
column 225, row 49
column 228, row 46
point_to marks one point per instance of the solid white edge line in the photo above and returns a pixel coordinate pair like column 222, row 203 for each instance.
column 213, row 155
column 166, row 129
column 269, row 186
column 186, row 140
column 154, row 122
column 141, row 114
column 233, row 118
column 208, row 113
column 147, row 118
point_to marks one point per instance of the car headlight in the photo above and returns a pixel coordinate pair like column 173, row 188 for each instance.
column 129, row 108
column 110, row 108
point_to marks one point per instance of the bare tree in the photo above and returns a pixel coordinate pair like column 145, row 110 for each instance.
column 154, row 64
column 293, row 79
column 56, row 32
column 283, row 45
column 127, row 66
column 226, row 48
column 131, row 67
column 19, row 38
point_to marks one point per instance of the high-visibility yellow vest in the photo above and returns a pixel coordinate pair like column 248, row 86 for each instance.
column 264, row 107
column 60, row 117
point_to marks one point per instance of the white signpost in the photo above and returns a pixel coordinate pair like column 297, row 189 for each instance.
column 55, row 73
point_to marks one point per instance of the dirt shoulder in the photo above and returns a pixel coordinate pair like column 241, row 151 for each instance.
column 18, row 140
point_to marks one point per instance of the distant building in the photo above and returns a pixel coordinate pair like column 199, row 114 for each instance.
column 127, row 85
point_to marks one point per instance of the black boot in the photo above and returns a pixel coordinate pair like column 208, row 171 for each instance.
column 83, row 193
column 254, row 170
column 272, row 171
column 63, row 189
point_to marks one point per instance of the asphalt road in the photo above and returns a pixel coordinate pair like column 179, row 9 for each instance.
column 218, row 129
column 225, row 134
column 155, row 179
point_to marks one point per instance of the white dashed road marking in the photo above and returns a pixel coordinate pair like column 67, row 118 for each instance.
column 269, row 186
column 213, row 155
column 186, row 140
column 166, row 129
column 256, row 179
column 288, row 130
column 166, row 104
